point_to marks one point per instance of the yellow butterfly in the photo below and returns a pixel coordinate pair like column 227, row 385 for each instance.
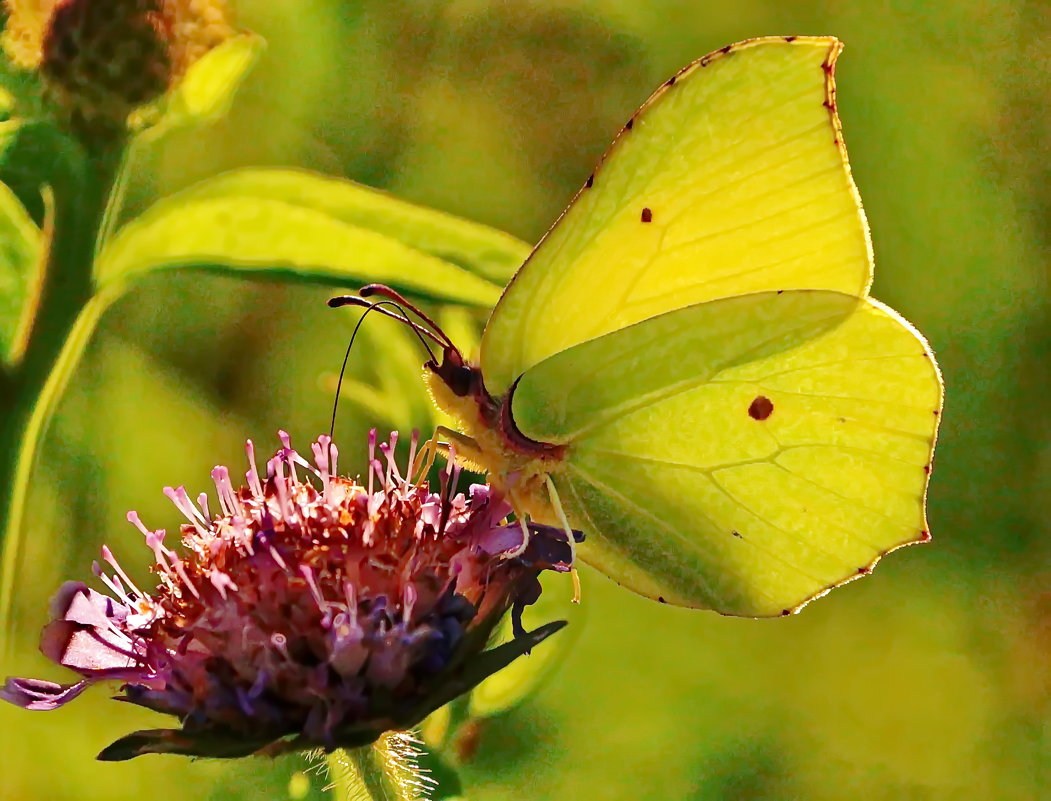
column 688, row 367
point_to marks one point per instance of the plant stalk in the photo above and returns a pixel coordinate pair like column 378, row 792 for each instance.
column 81, row 197
column 377, row 772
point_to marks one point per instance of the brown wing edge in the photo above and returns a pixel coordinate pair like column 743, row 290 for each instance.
column 924, row 534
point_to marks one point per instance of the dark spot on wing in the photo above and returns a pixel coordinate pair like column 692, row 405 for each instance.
column 647, row 215
column 864, row 571
column 590, row 182
column 780, row 292
column 791, row 38
column 761, row 408
column 925, row 536
column 670, row 81
column 660, row 599
column 842, row 419
column 786, row 612
column 726, row 49
column 629, row 124
column 935, row 412
column 736, row 534
column 927, row 469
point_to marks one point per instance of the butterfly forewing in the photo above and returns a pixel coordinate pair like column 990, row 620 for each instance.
column 731, row 179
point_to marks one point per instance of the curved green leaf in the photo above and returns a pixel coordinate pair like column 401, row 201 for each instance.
column 37, row 152
column 279, row 240
column 9, row 129
column 486, row 251
column 505, row 690
column 20, row 244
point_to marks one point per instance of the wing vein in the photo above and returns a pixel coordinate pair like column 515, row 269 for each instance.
column 725, row 187
column 615, row 412
column 653, row 460
column 847, row 360
column 542, row 289
column 606, row 489
column 788, row 535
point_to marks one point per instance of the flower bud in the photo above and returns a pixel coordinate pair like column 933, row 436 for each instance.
column 101, row 59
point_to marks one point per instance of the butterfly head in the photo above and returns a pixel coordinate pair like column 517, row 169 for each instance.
column 486, row 438
column 462, row 380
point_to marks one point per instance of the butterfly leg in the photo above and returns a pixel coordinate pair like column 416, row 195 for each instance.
column 424, row 460
column 464, row 449
column 458, row 446
column 556, row 504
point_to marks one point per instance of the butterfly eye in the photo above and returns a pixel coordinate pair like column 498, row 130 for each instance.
column 460, row 379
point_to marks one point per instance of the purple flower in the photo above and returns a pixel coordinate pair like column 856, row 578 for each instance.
column 306, row 611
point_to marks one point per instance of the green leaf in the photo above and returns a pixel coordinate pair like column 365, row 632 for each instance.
column 206, row 91
column 486, row 251
column 34, row 153
column 7, row 102
column 506, row 689
column 22, row 91
column 20, row 246
column 8, row 134
column 272, row 238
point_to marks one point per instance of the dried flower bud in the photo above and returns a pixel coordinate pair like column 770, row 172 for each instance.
column 306, row 612
column 101, row 59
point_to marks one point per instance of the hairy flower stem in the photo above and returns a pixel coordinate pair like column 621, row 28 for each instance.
column 81, row 194
column 373, row 772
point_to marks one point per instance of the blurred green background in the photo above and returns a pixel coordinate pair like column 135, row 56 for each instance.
column 931, row 679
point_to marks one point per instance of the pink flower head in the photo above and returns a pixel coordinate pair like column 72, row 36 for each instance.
column 306, row 611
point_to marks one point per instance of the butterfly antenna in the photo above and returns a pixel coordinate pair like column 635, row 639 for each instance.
column 351, row 300
column 385, row 291
column 354, row 300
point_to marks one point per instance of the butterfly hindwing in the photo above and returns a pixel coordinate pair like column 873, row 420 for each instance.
column 744, row 454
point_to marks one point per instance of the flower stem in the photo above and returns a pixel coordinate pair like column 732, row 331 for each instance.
column 374, row 776
column 114, row 203
column 81, row 194
column 383, row 771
